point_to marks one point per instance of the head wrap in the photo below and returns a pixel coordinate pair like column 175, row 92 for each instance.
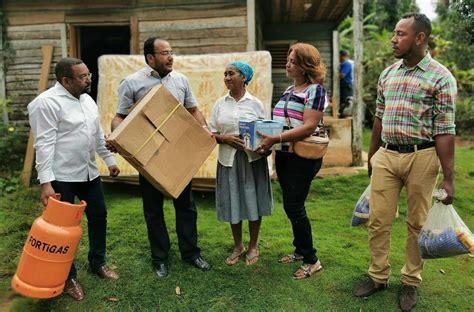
column 245, row 69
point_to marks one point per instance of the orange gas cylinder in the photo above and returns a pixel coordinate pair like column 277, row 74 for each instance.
column 49, row 250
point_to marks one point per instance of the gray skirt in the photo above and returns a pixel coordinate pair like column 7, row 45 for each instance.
column 243, row 191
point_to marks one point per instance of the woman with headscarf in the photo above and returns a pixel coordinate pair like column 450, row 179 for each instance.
column 243, row 190
column 303, row 103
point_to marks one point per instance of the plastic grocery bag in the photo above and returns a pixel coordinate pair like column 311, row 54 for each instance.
column 361, row 210
column 444, row 233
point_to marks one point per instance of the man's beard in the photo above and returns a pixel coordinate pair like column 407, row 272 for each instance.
column 86, row 90
column 405, row 54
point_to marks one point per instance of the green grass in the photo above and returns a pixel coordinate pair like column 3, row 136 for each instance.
column 265, row 286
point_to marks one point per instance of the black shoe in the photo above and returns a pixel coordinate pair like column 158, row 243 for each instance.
column 201, row 264
column 408, row 297
column 161, row 270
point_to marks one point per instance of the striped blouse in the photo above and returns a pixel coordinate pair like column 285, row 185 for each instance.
column 416, row 104
column 313, row 97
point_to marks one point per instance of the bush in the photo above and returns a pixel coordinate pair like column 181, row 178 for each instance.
column 377, row 56
column 12, row 147
column 13, row 141
column 465, row 115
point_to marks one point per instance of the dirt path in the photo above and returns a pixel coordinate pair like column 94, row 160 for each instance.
column 339, row 171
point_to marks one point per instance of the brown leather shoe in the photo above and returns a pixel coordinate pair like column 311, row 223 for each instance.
column 105, row 272
column 408, row 297
column 368, row 288
column 74, row 289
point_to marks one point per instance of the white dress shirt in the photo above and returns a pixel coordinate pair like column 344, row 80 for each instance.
column 67, row 135
column 225, row 119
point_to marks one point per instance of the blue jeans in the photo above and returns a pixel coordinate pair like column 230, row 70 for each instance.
column 295, row 175
column 91, row 192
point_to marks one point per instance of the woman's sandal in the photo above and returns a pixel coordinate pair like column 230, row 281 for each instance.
column 290, row 258
column 249, row 260
column 233, row 258
column 307, row 270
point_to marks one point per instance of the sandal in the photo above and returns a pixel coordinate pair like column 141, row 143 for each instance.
column 290, row 258
column 307, row 270
column 249, row 260
column 233, row 258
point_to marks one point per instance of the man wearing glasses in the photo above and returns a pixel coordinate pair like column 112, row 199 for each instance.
column 66, row 127
column 159, row 70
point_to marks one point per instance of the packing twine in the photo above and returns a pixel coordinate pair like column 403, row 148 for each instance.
column 156, row 130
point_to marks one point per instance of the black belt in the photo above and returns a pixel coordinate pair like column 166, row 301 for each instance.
column 409, row 148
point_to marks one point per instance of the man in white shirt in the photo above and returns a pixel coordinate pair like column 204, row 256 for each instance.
column 65, row 124
column 159, row 70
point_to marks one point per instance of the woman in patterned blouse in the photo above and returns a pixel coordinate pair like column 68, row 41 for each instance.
column 303, row 103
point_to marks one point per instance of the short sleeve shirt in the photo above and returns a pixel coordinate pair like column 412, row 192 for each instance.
column 346, row 70
column 135, row 86
column 313, row 97
column 226, row 114
column 416, row 104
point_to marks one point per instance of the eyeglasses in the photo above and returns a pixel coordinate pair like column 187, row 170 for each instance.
column 84, row 76
column 165, row 53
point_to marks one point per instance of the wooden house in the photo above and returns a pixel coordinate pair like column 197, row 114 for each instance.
column 89, row 28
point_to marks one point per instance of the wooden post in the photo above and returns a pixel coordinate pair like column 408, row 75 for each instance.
column 134, row 35
column 73, row 52
column 251, row 29
column 63, row 41
column 336, row 96
column 2, row 72
column 47, row 51
column 357, row 111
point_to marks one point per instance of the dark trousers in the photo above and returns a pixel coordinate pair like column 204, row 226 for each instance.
column 345, row 92
column 91, row 192
column 186, row 219
column 295, row 175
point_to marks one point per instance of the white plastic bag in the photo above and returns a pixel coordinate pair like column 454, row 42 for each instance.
column 361, row 210
column 444, row 233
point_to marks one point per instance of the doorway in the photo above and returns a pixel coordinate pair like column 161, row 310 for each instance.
column 94, row 41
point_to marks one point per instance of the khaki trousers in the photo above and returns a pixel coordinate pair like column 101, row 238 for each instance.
column 390, row 172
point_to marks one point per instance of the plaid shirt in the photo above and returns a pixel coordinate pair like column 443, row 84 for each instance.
column 416, row 104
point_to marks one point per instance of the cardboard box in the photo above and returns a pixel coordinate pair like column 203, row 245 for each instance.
column 248, row 131
column 163, row 141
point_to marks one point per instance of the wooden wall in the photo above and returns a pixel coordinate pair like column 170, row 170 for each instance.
column 191, row 26
column 211, row 31
column 23, row 67
column 317, row 34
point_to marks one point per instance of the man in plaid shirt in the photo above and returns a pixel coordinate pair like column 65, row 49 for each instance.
column 413, row 133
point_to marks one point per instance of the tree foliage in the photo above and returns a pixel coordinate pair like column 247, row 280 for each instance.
column 388, row 12
column 453, row 35
column 451, row 43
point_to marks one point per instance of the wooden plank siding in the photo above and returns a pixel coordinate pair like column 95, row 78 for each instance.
column 199, row 36
column 317, row 34
column 191, row 27
column 4, row 110
column 22, row 70
column 305, row 11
